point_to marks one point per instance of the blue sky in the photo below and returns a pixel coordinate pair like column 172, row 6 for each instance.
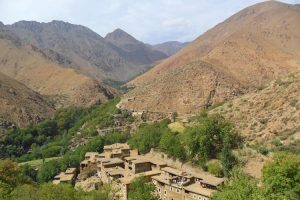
column 151, row 21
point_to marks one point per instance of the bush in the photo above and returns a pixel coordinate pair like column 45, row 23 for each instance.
column 215, row 168
column 263, row 150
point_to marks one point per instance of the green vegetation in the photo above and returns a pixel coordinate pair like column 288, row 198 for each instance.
column 263, row 150
column 37, row 163
column 211, row 138
column 281, row 180
column 73, row 158
column 51, row 138
column 177, row 127
column 215, row 167
column 148, row 136
column 141, row 190
column 281, row 177
column 16, row 185
column 239, row 186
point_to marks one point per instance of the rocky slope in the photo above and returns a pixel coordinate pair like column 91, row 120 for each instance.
column 268, row 114
column 170, row 48
column 19, row 105
column 89, row 53
column 249, row 49
column 26, row 64
column 133, row 50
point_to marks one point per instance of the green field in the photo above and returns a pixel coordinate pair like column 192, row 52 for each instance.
column 37, row 163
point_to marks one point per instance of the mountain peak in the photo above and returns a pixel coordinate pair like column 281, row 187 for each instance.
column 120, row 36
column 1, row 23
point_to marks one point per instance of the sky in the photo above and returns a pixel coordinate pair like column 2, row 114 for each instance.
column 151, row 21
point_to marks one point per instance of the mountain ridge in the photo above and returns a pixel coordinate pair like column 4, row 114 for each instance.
column 24, row 63
column 251, row 48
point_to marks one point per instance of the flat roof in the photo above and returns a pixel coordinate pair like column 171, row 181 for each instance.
column 161, row 179
column 130, row 178
column 131, row 158
column 93, row 154
column 198, row 189
column 177, row 172
column 209, row 179
column 115, row 171
column 111, row 161
column 140, row 160
column 64, row 177
column 117, row 146
column 70, row 170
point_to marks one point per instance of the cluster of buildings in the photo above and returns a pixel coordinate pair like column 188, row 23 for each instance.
column 120, row 165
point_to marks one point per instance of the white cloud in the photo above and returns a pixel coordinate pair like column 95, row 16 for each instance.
column 151, row 21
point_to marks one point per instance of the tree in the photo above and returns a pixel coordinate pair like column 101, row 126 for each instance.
column 148, row 136
column 227, row 158
column 139, row 189
column 281, row 177
column 172, row 144
column 239, row 187
column 10, row 177
column 211, row 137
column 25, row 192
column 49, row 170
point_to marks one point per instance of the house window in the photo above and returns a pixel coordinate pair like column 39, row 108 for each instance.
column 177, row 190
column 195, row 196
column 165, row 192
column 171, row 188
column 200, row 198
column 158, row 189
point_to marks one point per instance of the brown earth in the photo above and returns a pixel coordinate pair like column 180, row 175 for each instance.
column 25, row 64
column 258, row 44
column 20, row 106
column 268, row 116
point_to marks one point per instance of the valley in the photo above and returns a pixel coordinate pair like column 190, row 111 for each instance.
column 143, row 116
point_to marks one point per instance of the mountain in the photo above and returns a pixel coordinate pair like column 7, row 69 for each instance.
column 170, row 48
column 267, row 114
column 19, row 105
column 133, row 50
column 89, row 53
column 249, row 49
column 28, row 65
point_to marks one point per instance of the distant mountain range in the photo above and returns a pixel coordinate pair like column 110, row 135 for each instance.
column 65, row 64
column 170, row 48
column 30, row 66
column 258, row 44
column 118, row 56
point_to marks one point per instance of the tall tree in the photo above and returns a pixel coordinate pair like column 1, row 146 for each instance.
column 141, row 190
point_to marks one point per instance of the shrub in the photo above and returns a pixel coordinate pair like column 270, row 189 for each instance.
column 263, row 150
column 215, row 168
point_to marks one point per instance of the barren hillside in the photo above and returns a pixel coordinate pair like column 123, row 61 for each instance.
column 268, row 114
column 90, row 54
column 25, row 64
column 259, row 44
column 19, row 105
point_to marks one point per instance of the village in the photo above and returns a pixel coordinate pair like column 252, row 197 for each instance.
column 119, row 165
